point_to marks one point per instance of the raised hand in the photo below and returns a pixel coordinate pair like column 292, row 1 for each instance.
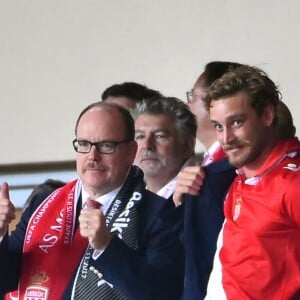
column 7, row 209
column 189, row 181
column 92, row 226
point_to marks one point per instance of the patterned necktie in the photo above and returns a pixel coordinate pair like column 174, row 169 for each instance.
column 91, row 203
column 93, row 275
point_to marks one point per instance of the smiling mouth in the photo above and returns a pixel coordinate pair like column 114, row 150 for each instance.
column 232, row 147
column 233, row 151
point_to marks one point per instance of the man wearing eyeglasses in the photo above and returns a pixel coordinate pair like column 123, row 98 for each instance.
column 102, row 236
column 202, row 189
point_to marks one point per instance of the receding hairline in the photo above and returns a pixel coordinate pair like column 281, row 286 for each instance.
column 103, row 106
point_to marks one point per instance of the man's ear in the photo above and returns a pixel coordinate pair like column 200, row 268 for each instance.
column 269, row 115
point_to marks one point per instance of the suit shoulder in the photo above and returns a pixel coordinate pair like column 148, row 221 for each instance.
column 153, row 199
column 220, row 166
column 157, row 205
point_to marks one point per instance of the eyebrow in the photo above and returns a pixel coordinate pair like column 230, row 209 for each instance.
column 155, row 130
column 231, row 118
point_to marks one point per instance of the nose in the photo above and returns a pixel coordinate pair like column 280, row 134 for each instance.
column 148, row 143
column 227, row 136
column 94, row 154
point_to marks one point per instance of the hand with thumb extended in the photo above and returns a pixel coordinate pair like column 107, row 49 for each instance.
column 7, row 209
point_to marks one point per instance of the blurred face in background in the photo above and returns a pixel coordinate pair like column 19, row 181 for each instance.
column 197, row 107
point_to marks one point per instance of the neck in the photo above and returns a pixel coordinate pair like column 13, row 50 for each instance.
column 251, row 169
column 154, row 184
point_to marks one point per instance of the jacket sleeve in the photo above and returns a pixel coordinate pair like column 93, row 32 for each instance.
column 11, row 248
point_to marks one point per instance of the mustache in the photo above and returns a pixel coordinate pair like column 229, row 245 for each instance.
column 149, row 155
column 228, row 147
column 94, row 166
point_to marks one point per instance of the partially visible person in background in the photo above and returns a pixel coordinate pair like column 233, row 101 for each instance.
column 285, row 124
column 43, row 190
column 165, row 131
column 128, row 94
column 203, row 210
column 40, row 191
column 205, row 131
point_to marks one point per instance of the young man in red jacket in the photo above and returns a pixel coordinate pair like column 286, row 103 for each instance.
column 259, row 246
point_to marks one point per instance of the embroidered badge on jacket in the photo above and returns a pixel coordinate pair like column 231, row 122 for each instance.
column 237, row 208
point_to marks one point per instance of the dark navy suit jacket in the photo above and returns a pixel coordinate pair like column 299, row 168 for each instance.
column 203, row 219
column 154, row 271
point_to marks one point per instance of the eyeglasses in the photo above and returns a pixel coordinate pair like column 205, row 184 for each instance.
column 104, row 147
column 191, row 95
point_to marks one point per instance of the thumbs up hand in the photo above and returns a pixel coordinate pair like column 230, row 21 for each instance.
column 7, row 209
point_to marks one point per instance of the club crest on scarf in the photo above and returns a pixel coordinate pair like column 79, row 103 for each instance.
column 36, row 291
column 40, row 279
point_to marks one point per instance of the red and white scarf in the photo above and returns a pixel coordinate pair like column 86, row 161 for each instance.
column 52, row 248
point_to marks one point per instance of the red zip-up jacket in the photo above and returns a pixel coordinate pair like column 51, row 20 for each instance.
column 260, row 255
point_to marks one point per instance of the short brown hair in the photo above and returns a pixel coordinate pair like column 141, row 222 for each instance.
column 254, row 82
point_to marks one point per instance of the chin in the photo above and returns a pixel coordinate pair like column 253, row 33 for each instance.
column 236, row 161
column 95, row 181
column 153, row 171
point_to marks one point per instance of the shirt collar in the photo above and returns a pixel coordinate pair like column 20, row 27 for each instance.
column 168, row 189
column 280, row 151
column 214, row 153
column 213, row 148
